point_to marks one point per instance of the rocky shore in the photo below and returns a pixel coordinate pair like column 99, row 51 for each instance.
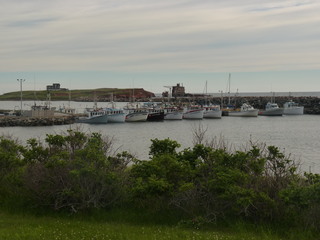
column 11, row 121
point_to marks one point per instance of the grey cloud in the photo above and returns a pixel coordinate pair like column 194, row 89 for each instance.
column 31, row 22
column 147, row 35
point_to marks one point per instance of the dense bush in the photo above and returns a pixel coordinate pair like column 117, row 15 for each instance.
column 11, row 165
column 77, row 171
column 73, row 171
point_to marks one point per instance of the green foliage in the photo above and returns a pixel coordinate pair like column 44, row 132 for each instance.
column 11, row 163
column 303, row 202
column 35, row 152
column 10, row 156
column 165, row 146
column 160, row 177
column 76, row 171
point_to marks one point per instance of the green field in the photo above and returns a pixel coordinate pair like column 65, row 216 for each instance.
column 117, row 226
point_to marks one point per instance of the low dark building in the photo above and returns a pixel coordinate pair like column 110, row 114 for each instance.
column 178, row 91
column 55, row 87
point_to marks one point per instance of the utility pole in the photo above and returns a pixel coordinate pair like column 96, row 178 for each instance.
column 21, row 81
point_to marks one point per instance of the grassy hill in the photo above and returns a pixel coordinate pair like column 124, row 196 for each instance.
column 101, row 94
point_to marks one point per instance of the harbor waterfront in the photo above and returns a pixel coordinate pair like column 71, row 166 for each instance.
column 297, row 135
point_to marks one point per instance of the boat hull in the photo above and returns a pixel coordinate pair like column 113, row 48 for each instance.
column 157, row 116
column 272, row 112
column 212, row 114
column 249, row 113
column 136, row 117
column 293, row 111
column 173, row 116
column 94, row 120
column 117, row 118
column 193, row 114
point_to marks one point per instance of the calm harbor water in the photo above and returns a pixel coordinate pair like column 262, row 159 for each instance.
column 295, row 135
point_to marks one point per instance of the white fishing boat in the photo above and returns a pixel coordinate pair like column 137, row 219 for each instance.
column 193, row 112
column 136, row 114
column 272, row 109
column 95, row 116
column 173, row 113
column 292, row 108
column 212, row 111
column 246, row 110
column 115, row 115
column 67, row 109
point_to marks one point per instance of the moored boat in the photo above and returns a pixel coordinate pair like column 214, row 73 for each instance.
column 292, row 108
column 96, row 116
column 115, row 115
column 155, row 114
column 212, row 111
column 173, row 113
column 246, row 110
column 136, row 115
column 272, row 109
column 193, row 112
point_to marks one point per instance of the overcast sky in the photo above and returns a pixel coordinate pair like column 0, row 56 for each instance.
column 266, row 45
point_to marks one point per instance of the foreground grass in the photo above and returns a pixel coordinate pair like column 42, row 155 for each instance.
column 118, row 225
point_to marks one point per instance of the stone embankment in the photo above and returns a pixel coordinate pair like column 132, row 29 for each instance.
column 311, row 104
column 11, row 121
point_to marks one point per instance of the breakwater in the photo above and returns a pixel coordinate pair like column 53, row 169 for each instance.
column 311, row 104
column 12, row 121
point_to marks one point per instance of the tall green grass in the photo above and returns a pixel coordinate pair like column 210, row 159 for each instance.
column 32, row 227
column 126, row 224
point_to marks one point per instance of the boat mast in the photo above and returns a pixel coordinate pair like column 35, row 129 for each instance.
column 229, row 89
column 21, row 81
column 48, row 104
column 133, row 90
column 95, row 100
column 206, row 88
column 69, row 97
column 111, row 100
column 34, row 88
column 274, row 98
column 221, row 101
